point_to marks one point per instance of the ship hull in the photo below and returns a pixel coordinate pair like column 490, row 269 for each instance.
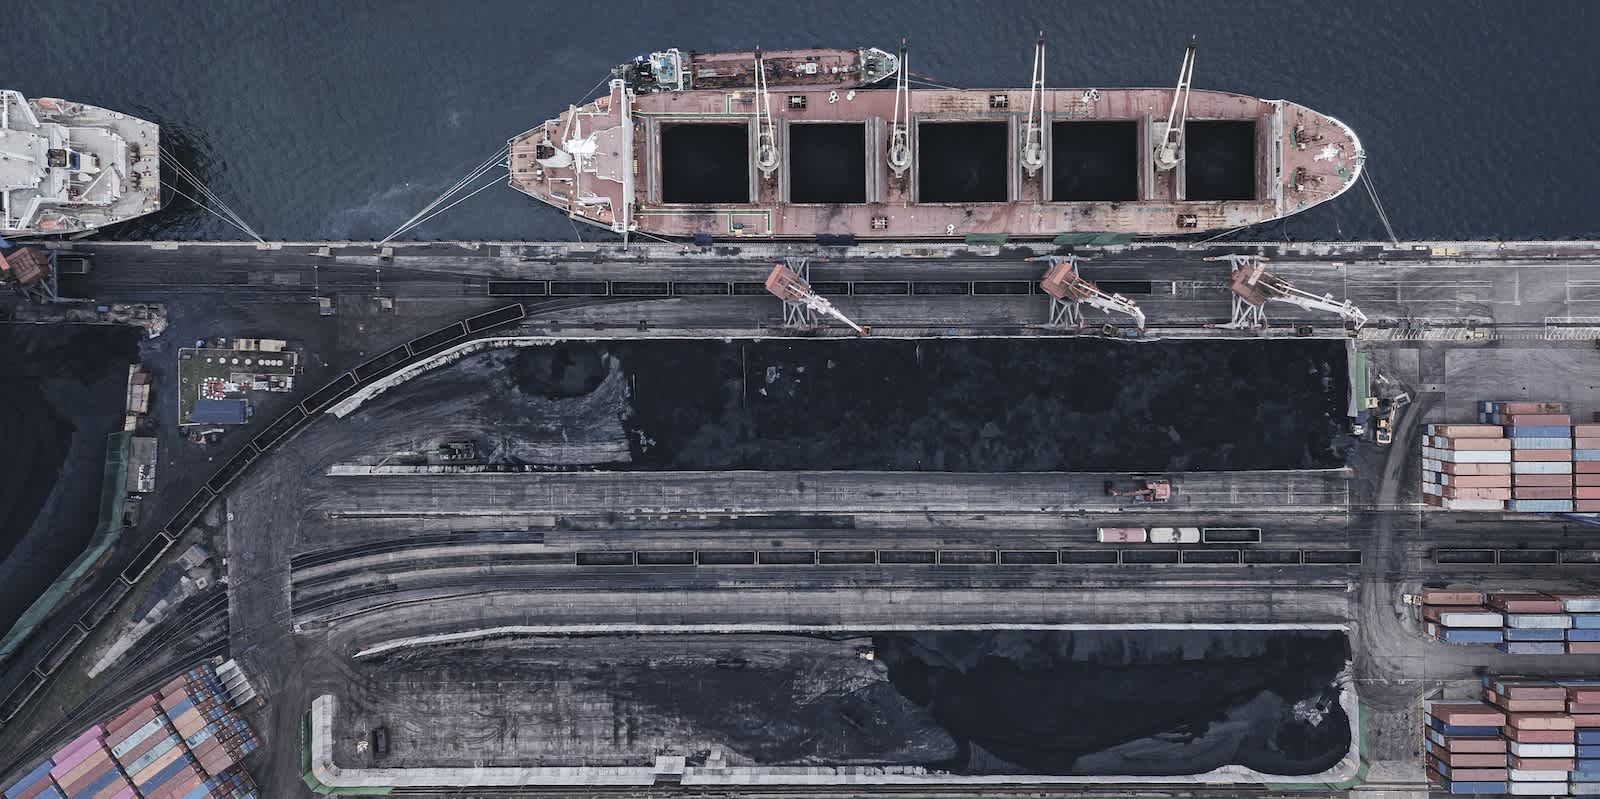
column 627, row 180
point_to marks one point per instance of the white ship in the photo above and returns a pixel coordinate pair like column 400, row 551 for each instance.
column 67, row 167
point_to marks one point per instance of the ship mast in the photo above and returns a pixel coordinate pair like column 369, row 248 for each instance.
column 899, row 144
column 767, row 138
column 1170, row 151
column 1033, row 134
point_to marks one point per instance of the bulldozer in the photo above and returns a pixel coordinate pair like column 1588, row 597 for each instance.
column 1142, row 491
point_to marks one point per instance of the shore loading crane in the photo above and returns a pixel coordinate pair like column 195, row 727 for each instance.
column 790, row 281
column 1253, row 287
column 1068, row 290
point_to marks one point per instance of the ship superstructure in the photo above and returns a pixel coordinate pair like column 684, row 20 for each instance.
column 68, row 167
column 800, row 144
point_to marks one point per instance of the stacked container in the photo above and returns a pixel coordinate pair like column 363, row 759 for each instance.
column 1516, row 623
column 1466, row 466
column 1541, row 453
column 181, row 742
column 1586, row 467
column 1528, row 738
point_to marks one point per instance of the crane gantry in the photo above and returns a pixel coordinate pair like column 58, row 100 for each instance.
column 790, row 281
column 1068, row 291
column 1253, row 287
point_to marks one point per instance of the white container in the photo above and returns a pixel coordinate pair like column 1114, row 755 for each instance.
column 1539, row 621
column 1454, row 620
column 1433, row 488
column 1543, row 750
column 1474, row 504
column 1188, row 535
column 1541, row 467
column 1539, row 788
column 1432, row 465
column 1524, row 775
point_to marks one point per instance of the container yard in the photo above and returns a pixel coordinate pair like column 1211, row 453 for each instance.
column 1528, row 737
column 1525, row 457
column 1516, row 623
column 184, row 741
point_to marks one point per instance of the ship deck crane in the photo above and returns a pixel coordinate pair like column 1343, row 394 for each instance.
column 1169, row 151
column 1033, row 134
column 767, row 137
column 899, row 126
column 1253, row 287
column 790, row 281
column 1068, row 291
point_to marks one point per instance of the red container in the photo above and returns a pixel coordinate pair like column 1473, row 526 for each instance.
column 1540, row 493
column 1542, row 481
column 1542, row 455
column 122, row 718
column 1476, row 480
column 1543, row 763
column 1474, row 598
column 1584, row 694
column 1587, row 506
column 127, row 730
column 1467, row 714
column 1460, row 760
column 1485, row 746
column 1538, row 419
column 1583, row 647
column 1586, row 479
column 1586, row 443
column 1586, row 430
column 1587, row 492
column 1525, row 736
column 1475, row 469
column 1526, row 406
column 1586, row 720
column 1525, row 603
column 1540, row 721
column 1586, row 467
column 1473, row 444
column 1479, row 774
column 1469, row 431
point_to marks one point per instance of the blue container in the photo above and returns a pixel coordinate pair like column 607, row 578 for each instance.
column 1541, row 442
column 1583, row 634
column 1586, row 621
column 1474, row 787
column 1586, row 737
column 1541, row 431
column 1480, row 732
column 1541, row 505
column 1536, row 634
column 1474, row 635
column 1586, row 454
column 1533, row 648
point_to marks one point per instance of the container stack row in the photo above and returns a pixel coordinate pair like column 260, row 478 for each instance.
column 1466, row 467
column 1527, row 738
column 182, row 742
column 1541, row 453
column 1517, row 623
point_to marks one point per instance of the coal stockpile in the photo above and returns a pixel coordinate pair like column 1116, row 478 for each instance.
column 828, row 163
column 983, row 405
column 1094, row 161
column 1219, row 160
column 1127, row 702
column 705, row 164
column 961, row 162
column 63, row 393
column 956, row 405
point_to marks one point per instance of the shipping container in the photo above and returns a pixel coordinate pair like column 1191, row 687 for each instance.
column 1541, row 467
column 97, row 759
column 1464, row 759
column 1537, row 788
column 1470, row 635
column 1472, row 774
column 1528, row 751
column 1466, row 430
column 1471, row 714
column 1583, row 647
column 1472, row 504
column 1457, row 598
column 1547, row 621
column 1476, row 480
column 1537, row 419
column 1453, row 456
column 1542, row 481
column 1451, row 492
column 1590, row 455
column 1586, row 467
column 1517, row 434
column 138, row 724
column 121, row 719
column 1583, row 634
column 118, row 788
column 1470, row 618
column 1586, row 492
column 1471, row 444
column 1530, row 763
column 1589, row 737
column 1537, row 634
column 29, row 780
column 1586, row 505
column 1523, row 603
column 89, row 737
column 1540, row 505
column 73, row 760
column 1586, row 430
column 1541, row 455
column 1533, row 648
column 1525, row 705
column 1539, row 721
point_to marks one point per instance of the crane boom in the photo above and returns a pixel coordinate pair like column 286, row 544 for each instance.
column 899, row 124
column 1170, row 149
column 790, row 281
column 767, row 138
column 1033, row 134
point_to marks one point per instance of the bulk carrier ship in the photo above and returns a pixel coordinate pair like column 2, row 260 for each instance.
column 800, row 144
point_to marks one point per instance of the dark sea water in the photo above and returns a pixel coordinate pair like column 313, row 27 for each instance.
column 338, row 120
